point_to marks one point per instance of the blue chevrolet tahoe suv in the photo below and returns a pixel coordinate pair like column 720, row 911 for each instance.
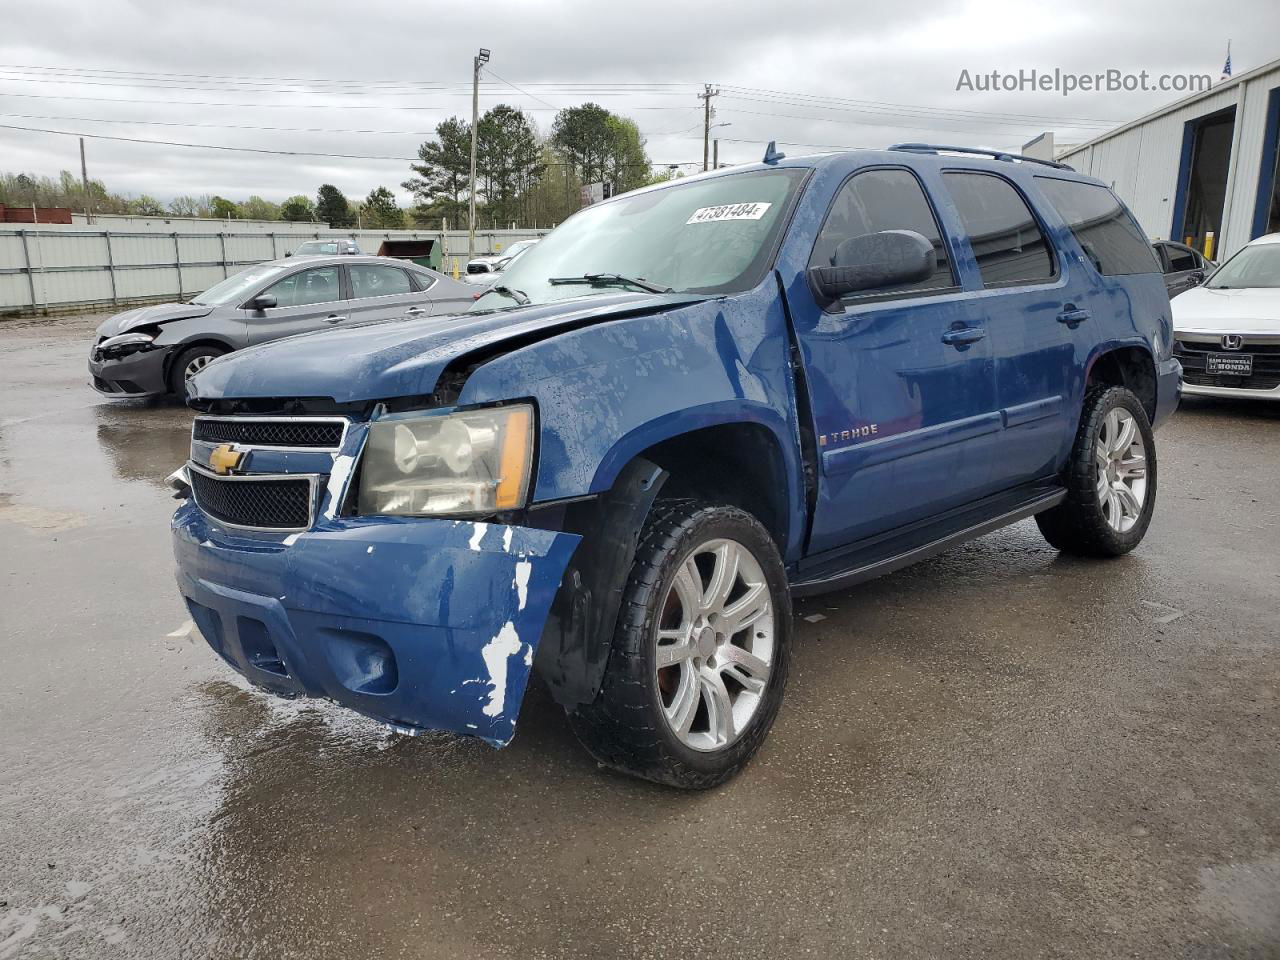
column 685, row 406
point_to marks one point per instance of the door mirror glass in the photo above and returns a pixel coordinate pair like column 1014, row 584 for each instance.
column 887, row 258
column 263, row 301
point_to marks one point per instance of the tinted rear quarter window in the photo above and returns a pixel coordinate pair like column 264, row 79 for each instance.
column 1105, row 230
column 876, row 200
column 1180, row 259
column 1004, row 234
column 375, row 280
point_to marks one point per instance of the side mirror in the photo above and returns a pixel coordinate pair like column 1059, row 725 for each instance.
column 288, row 253
column 263, row 301
column 873, row 261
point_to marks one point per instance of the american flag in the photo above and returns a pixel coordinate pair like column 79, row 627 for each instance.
column 1226, row 67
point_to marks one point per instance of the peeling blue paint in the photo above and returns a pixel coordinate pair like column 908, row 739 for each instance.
column 343, row 622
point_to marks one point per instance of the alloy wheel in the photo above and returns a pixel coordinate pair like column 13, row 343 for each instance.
column 715, row 645
column 195, row 366
column 1121, row 459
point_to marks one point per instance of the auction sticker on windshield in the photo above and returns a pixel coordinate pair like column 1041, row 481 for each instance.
column 729, row 211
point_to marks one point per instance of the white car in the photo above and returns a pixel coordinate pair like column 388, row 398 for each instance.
column 477, row 268
column 1227, row 330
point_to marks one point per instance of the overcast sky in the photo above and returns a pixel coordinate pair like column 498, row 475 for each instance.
column 811, row 73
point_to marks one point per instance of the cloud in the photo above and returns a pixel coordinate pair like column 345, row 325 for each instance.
column 402, row 68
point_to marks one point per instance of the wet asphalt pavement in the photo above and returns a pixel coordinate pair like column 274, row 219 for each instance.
column 997, row 753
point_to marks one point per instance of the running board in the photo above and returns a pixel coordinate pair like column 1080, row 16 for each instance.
column 868, row 570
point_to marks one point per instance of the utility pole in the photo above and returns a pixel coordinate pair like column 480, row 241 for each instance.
column 84, row 180
column 481, row 58
column 715, row 154
column 707, row 114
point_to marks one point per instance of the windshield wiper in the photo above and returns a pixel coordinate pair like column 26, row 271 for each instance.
column 519, row 296
column 612, row 280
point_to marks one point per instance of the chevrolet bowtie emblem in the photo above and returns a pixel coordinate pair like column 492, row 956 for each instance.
column 225, row 458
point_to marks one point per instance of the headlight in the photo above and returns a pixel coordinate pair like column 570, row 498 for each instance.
column 475, row 461
column 126, row 343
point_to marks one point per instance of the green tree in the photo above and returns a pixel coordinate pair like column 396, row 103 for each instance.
column 380, row 211
column 443, row 173
column 556, row 194
column 627, row 165
column 222, row 208
column 256, row 208
column 602, row 146
column 509, row 162
column 298, row 209
column 332, row 207
column 184, row 206
column 146, row 206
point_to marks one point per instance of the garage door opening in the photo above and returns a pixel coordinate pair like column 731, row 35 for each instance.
column 1206, row 159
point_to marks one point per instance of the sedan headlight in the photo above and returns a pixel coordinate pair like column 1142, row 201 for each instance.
column 125, row 343
column 474, row 461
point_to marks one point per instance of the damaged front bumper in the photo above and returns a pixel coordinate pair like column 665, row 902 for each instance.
column 424, row 624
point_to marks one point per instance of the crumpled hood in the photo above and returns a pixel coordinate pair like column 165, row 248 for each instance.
column 148, row 316
column 401, row 358
column 1247, row 310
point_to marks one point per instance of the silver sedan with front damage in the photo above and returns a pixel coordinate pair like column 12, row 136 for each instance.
column 152, row 351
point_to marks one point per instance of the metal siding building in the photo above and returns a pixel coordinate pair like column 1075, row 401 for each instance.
column 1150, row 162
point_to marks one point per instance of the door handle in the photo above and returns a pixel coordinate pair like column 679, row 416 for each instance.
column 416, row 310
column 334, row 318
column 1073, row 317
column 963, row 336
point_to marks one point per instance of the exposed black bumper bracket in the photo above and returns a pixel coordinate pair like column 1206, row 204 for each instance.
column 575, row 644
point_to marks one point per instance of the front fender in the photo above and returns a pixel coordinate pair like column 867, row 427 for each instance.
column 609, row 391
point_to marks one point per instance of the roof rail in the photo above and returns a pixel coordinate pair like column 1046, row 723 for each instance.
column 995, row 154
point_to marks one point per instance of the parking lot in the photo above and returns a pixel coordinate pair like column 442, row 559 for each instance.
column 996, row 752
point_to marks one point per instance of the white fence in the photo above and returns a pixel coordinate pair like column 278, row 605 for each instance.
column 56, row 268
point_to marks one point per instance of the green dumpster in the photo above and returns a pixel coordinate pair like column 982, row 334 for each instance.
column 425, row 253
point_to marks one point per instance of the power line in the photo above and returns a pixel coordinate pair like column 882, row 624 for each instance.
column 837, row 103
column 900, row 121
column 207, row 146
column 248, row 78
column 274, row 106
column 218, row 126
column 519, row 90
column 406, row 88
column 409, row 87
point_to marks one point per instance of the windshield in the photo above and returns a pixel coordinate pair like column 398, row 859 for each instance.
column 318, row 247
column 1254, row 266
column 707, row 236
column 235, row 288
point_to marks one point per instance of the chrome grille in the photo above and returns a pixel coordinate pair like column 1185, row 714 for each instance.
column 1266, row 364
column 312, row 433
column 267, row 502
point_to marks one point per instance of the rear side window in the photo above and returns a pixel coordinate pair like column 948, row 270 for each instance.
column 1180, row 259
column 375, row 280
column 878, row 200
column 1004, row 235
column 1106, row 232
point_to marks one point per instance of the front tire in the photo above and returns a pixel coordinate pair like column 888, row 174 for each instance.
column 700, row 655
column 1110, row 479
column 190, row 362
